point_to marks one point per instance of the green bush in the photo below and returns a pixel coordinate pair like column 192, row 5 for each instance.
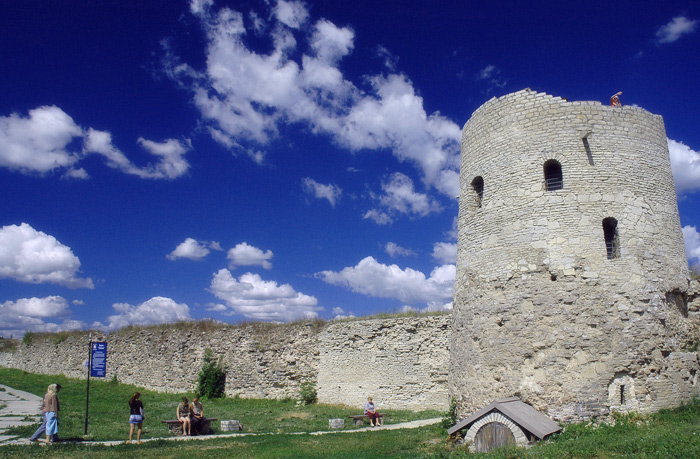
column 450, row 417
column 212, row 377
column 27, row 338
column 307, row 392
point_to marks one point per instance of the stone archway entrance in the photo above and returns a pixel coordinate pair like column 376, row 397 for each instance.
column 493, row 435
column 493, row 431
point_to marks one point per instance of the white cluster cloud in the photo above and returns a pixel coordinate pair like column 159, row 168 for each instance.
column 692, row 244
column 157, row 310
column 193, row 249
column 675, row 29
column 445, row 252
column 247, row 255
column 330, row 192
column 28, row 255
column 49, row 140
column 255, row 298
column 339, row 313
column 685, row 164
column 394, row 250
column 371, row 278
column 31, row 314
column 400, row 197
column 244, row 95
column 39, row 142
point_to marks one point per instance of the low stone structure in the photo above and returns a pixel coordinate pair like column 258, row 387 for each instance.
column 406, row 356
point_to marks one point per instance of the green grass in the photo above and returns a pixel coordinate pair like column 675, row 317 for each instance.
column 109, row 411
column 667, row 434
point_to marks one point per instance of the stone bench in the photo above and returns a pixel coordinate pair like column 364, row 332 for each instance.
column 175, row 426
column 359, row 419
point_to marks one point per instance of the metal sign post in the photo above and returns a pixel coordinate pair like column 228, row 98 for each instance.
column 97, row 367
column 89, row 364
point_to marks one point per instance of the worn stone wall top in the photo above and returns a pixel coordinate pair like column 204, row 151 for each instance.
column 614, row 164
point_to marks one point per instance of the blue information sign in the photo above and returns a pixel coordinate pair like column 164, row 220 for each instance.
column 98, row 368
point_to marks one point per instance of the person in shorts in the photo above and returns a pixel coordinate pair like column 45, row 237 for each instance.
column 136, row 418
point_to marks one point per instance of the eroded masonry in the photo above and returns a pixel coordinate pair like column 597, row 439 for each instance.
column 572, row 279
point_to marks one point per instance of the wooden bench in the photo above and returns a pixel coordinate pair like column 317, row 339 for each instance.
column 175, row 426
column 359, row 419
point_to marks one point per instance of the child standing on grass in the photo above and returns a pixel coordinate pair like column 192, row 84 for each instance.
column 136, row 418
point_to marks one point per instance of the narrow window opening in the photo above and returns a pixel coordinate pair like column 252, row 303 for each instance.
column 612, row 241
column 553, row 178
column 622, row 394
column 478, row 187
column 587, row 147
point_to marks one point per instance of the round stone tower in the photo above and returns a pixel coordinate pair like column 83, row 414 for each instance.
column 572, row 279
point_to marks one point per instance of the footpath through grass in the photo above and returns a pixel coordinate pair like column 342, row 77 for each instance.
column 667, row 434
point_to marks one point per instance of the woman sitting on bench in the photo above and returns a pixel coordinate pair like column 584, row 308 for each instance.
column 183, row 415
column 371, row 411
column 196, row 414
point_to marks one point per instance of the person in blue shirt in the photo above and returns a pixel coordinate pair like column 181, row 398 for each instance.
column 371, row 411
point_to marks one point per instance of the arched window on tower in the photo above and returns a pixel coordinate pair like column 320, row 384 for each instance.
column 553, row 179
column 612, row 241
column 478, row 187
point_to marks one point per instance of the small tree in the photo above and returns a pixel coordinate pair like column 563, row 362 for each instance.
column 212, row 377
column 307, row 392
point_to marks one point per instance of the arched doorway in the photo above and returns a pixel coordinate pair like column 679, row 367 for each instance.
column 492, row 435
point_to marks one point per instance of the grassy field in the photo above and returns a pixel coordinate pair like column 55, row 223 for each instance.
column 667, row 434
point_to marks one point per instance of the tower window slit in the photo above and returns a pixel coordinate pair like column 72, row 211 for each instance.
column 612, row 240
column 622, row 394
column 478, row 187
column 553, row 178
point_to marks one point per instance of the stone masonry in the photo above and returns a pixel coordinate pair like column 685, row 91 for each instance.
column 570, row 294
column 400, row 361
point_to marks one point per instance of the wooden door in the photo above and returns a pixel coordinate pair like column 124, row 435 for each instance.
column 492, row 435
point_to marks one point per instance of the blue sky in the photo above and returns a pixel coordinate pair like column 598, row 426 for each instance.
column 271, row 160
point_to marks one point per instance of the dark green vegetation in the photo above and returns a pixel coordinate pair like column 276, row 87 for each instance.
column 212, row 377
column 307, row 392
column 667, row 434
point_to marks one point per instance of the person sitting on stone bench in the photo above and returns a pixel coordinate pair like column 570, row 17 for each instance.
column 196, row 415
column 183, row 415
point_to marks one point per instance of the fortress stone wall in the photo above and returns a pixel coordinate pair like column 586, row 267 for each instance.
column 401, row 361
column 571, row 293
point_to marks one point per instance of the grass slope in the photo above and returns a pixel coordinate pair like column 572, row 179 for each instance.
column 667, row 434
